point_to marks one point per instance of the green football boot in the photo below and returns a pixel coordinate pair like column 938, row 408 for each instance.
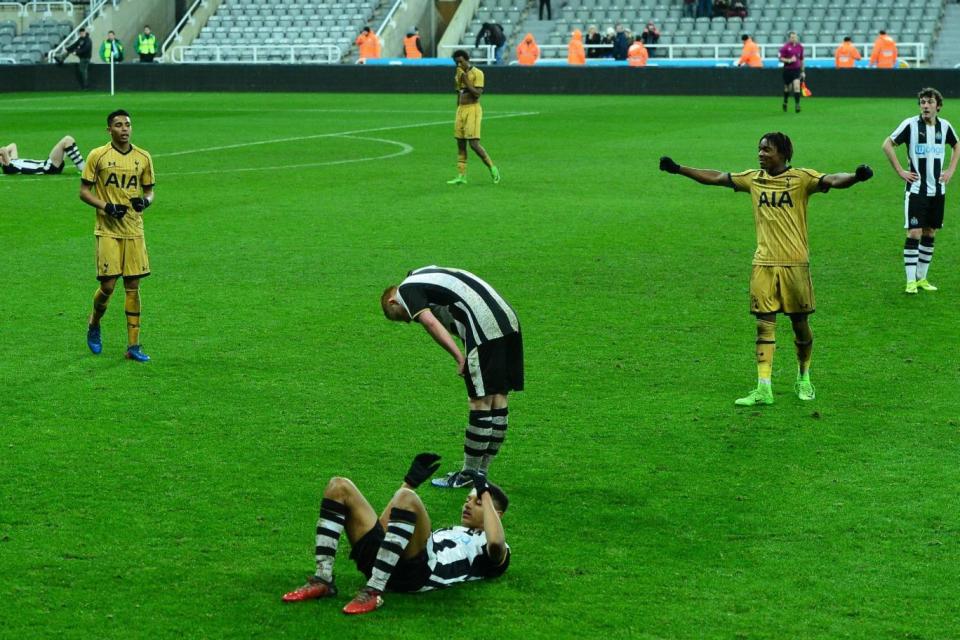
column 458, row 180
column 925, row 285
column 495, row 174
column 763, row 394
column 804, row 388
column 911, row 287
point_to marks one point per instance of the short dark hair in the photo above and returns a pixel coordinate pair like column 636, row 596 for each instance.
column 745, row 37
column 883, row 32
column 847, row 38
column 111, row 31
column 460, row 53
column 930, row 92
column 115, row 114
column 365, row 29
column 500, row 500
column 782, row 143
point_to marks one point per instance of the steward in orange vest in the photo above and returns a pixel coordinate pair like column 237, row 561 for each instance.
column 884, row 54
column 527, row 51
column 369, row 44
column 411, row 45
column 637, row 54
column 750, row 56
column 575, row 51
column 846, row 55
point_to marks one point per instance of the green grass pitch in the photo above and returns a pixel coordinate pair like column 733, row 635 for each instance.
column 179, row 498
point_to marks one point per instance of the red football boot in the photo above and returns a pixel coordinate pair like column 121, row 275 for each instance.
column 365, row 601
column 313, row 590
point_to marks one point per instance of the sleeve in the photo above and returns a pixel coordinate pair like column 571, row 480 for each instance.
column 951, row 136
column 901, row 134
column 89, row 175
column 780, row 51
column 484, row 567
column 476, row 78
column 812, row 180
column 147, row 179
column 743, row 180
column 414, row 296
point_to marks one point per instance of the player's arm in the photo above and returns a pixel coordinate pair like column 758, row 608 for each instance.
column 948, row 173
column 845, row 180
column 493, row 530
column 891, row 154
column 703, row 176
column 468, row 85
column 441, row 336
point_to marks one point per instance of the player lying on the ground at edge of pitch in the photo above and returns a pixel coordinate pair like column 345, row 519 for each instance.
column 12, row 163
column 397, row 550
column 780, row 281
column 449, row 301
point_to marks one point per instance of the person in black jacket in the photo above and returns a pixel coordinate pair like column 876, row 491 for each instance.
column 83, row 48
column 492, row 33
column 620, row 44
column 592, row 37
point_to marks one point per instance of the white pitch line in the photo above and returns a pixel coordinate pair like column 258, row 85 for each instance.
column 241, row 145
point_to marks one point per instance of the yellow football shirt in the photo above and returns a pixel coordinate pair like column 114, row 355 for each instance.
column 475, row 75
column 780, row 213
column 117, row 177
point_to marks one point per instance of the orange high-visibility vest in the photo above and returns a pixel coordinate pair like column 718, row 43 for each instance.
column 369, row 45
column 575, row 52
column 884, row 54
column 527, row 51
column 410, row 47
column 637, row 55
column 750, row 55
column 846, row 56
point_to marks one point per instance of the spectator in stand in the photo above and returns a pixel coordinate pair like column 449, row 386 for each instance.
column 689, row 8
column 83, row 48
column 593, row 37
column 750, row 56
column 846, row 55
column 637, row 53
column 621, row 43
column 884, row 53
column 412, row 48
column 369, row 45
column 650, row 36
column 575, row 51
column 704, row 8
column 492, row 34
column 720, row 8
column 111, row 49
column 527, row 51
column 146, row 44
column 609, row 38
column 546, row 3
column 737, row 10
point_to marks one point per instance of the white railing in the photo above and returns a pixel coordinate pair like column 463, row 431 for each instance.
column 8, row 60
column 96, row 6
column 258, row 54
column 488, row 49
column 46, row 6
column 175, row 34
column 386, row 21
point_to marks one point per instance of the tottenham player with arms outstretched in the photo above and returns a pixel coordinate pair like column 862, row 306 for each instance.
column 780, row 282
column 927, row 138
column 398, row 551
column 118, row 182
column 449, row 301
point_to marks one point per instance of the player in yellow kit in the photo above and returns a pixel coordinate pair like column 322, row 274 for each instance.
column 118, row 181
column 466, row 127
column 780, row 282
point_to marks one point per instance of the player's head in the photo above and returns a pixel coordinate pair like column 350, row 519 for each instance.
column 932, row 98
column 775, row 150
column 472, row 513
column 461, row 58
column 118, row 124
column 392, row 309
column 793, row 37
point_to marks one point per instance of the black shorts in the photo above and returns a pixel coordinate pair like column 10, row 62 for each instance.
column 495, row 367
column 789, row 75
column 53, row 169
column 921, row 211
column 410, row 574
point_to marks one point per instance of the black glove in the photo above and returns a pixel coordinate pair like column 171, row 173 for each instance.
column 479, row 480
column 863, row 173
column 423, row 466
column 139, row 204
column 115, row 210
column 667, row 164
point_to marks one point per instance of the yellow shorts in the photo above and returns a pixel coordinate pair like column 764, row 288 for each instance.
column 781, row 289
column 125, row 257
column 467, row 123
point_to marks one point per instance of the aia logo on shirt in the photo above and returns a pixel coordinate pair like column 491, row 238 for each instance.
column 774, row 199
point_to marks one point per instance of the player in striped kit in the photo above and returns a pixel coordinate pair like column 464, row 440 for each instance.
column 453, row 301
column 398, row 550
column 927, row 138
column 11, row 162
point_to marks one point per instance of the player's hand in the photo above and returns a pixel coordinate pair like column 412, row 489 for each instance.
column 139, row 204
column 115, row 210
column 423, row 466
column 479, row 480
column 461, row 365
column 909, row 176
column 667, row 164
column 945, row 177
column 863, row 173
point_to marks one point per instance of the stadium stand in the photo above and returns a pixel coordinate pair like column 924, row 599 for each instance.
column 818, row 22
column 295, row 31
column 28, row 31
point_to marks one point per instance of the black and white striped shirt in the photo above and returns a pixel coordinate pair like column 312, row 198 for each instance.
column 926, row 148
column 458, row 554
column 27, row 167
column 479, row 313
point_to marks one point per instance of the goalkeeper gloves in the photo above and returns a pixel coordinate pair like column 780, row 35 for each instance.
column 863, row 173
column 667, row 164
column 479, row 480
column 139, row 204
column 115, row 210
column 423, row 466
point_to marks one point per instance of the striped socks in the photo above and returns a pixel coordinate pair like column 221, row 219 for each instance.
column 476, row 439
column 925, row 256
column 399, row 532
column 498, row 418
column 911, row 253
column 333, row 517
column 73, row 152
